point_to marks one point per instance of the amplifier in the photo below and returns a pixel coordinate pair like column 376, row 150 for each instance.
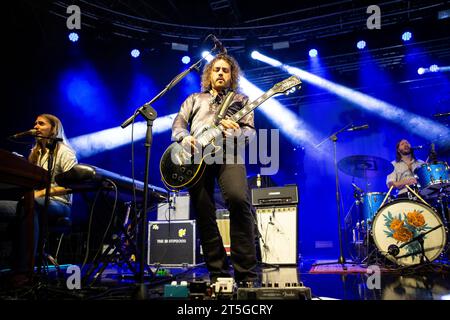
column 277, row 227
column 223, row 223
column 171, row 244
column 285, row 276
column 292, row 293
column 177, row 208
column 275, row 196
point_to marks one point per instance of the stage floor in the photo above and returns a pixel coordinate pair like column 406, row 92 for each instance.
column 326, row 282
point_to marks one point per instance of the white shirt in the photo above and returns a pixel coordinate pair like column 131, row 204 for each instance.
column 401, row 171
column 64, row 160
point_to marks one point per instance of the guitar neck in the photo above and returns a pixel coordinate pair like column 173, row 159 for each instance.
column 252, row 106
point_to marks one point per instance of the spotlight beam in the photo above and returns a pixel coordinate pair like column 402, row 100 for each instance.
column 284, row 119
column 90, row 144
column 422, row 126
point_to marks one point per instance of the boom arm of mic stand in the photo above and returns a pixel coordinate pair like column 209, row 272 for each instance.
column 334, row 135
column 420, row 236
column 171, row 84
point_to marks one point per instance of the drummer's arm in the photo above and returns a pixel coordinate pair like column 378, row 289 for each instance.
column 395, row 184
column 402, row 183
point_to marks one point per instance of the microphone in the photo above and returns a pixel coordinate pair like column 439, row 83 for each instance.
column 393, row 250
column 416, row 147
column 30, row 132
column 363, row 127
column 218, row 45
column 432, row 155
column 438, row 115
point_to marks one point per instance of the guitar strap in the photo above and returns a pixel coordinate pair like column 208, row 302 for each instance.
column 224, row 107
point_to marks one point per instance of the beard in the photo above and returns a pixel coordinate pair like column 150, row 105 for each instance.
column 405, row 152
column 224, row 83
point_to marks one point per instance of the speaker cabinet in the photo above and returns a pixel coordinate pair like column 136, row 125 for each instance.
column 177, row 208
column 223, row 223
column 277, row 228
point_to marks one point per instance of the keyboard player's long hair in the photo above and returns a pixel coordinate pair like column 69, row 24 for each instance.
column 57, row 131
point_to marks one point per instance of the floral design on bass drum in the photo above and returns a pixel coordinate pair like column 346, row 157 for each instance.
column 406, row 226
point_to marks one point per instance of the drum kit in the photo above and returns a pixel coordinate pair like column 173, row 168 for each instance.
column 407, row 231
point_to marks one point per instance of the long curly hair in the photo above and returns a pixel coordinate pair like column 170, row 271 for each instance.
column 57, row 131
column 398, row 156
column 235, row 72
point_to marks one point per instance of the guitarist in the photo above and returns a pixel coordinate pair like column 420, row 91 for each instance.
column 219, row 79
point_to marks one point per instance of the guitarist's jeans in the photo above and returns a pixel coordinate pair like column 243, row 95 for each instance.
column 232, row 180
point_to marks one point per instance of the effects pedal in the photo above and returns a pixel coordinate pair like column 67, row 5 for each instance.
column 199, row 290
column 175, row 290
column 223, row 286
column 275, row 291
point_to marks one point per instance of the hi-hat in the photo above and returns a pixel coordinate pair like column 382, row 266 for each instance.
column 362, row 166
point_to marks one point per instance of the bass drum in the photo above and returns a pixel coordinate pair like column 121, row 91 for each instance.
column 400, row 221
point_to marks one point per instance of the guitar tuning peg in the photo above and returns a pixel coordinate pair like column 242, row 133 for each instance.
column 290, row 91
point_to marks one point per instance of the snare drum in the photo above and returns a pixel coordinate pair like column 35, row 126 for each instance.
column 400, row 221
column 433, row 179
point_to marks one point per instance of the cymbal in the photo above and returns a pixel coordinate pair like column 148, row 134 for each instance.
column 362, row 166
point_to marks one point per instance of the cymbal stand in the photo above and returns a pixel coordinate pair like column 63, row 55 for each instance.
column 440, row 201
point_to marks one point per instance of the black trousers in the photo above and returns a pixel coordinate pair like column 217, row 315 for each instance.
column 232, row 180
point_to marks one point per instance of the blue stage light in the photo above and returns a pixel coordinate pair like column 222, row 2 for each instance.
column 361, row 44
column 186, row 59
column 421, row 70
column 135, row 53
column 434, row 68
column 73, row 36
column 406, row 36
column 313, row 53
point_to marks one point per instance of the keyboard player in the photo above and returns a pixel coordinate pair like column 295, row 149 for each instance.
column 49, row 126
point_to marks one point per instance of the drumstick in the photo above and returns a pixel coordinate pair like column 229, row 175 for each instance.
column 387, row 195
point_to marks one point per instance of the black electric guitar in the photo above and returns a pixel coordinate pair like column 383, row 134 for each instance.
column 181, row 169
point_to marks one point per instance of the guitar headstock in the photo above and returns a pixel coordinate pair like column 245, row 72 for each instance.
column 287, row 86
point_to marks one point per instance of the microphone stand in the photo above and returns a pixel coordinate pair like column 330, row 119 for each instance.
column 43, row 225
column 420, row 239
column 143, row 109
column 334, row 138
column 150, row 114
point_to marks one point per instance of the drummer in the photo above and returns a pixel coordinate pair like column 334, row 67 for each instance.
column 404, row 165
